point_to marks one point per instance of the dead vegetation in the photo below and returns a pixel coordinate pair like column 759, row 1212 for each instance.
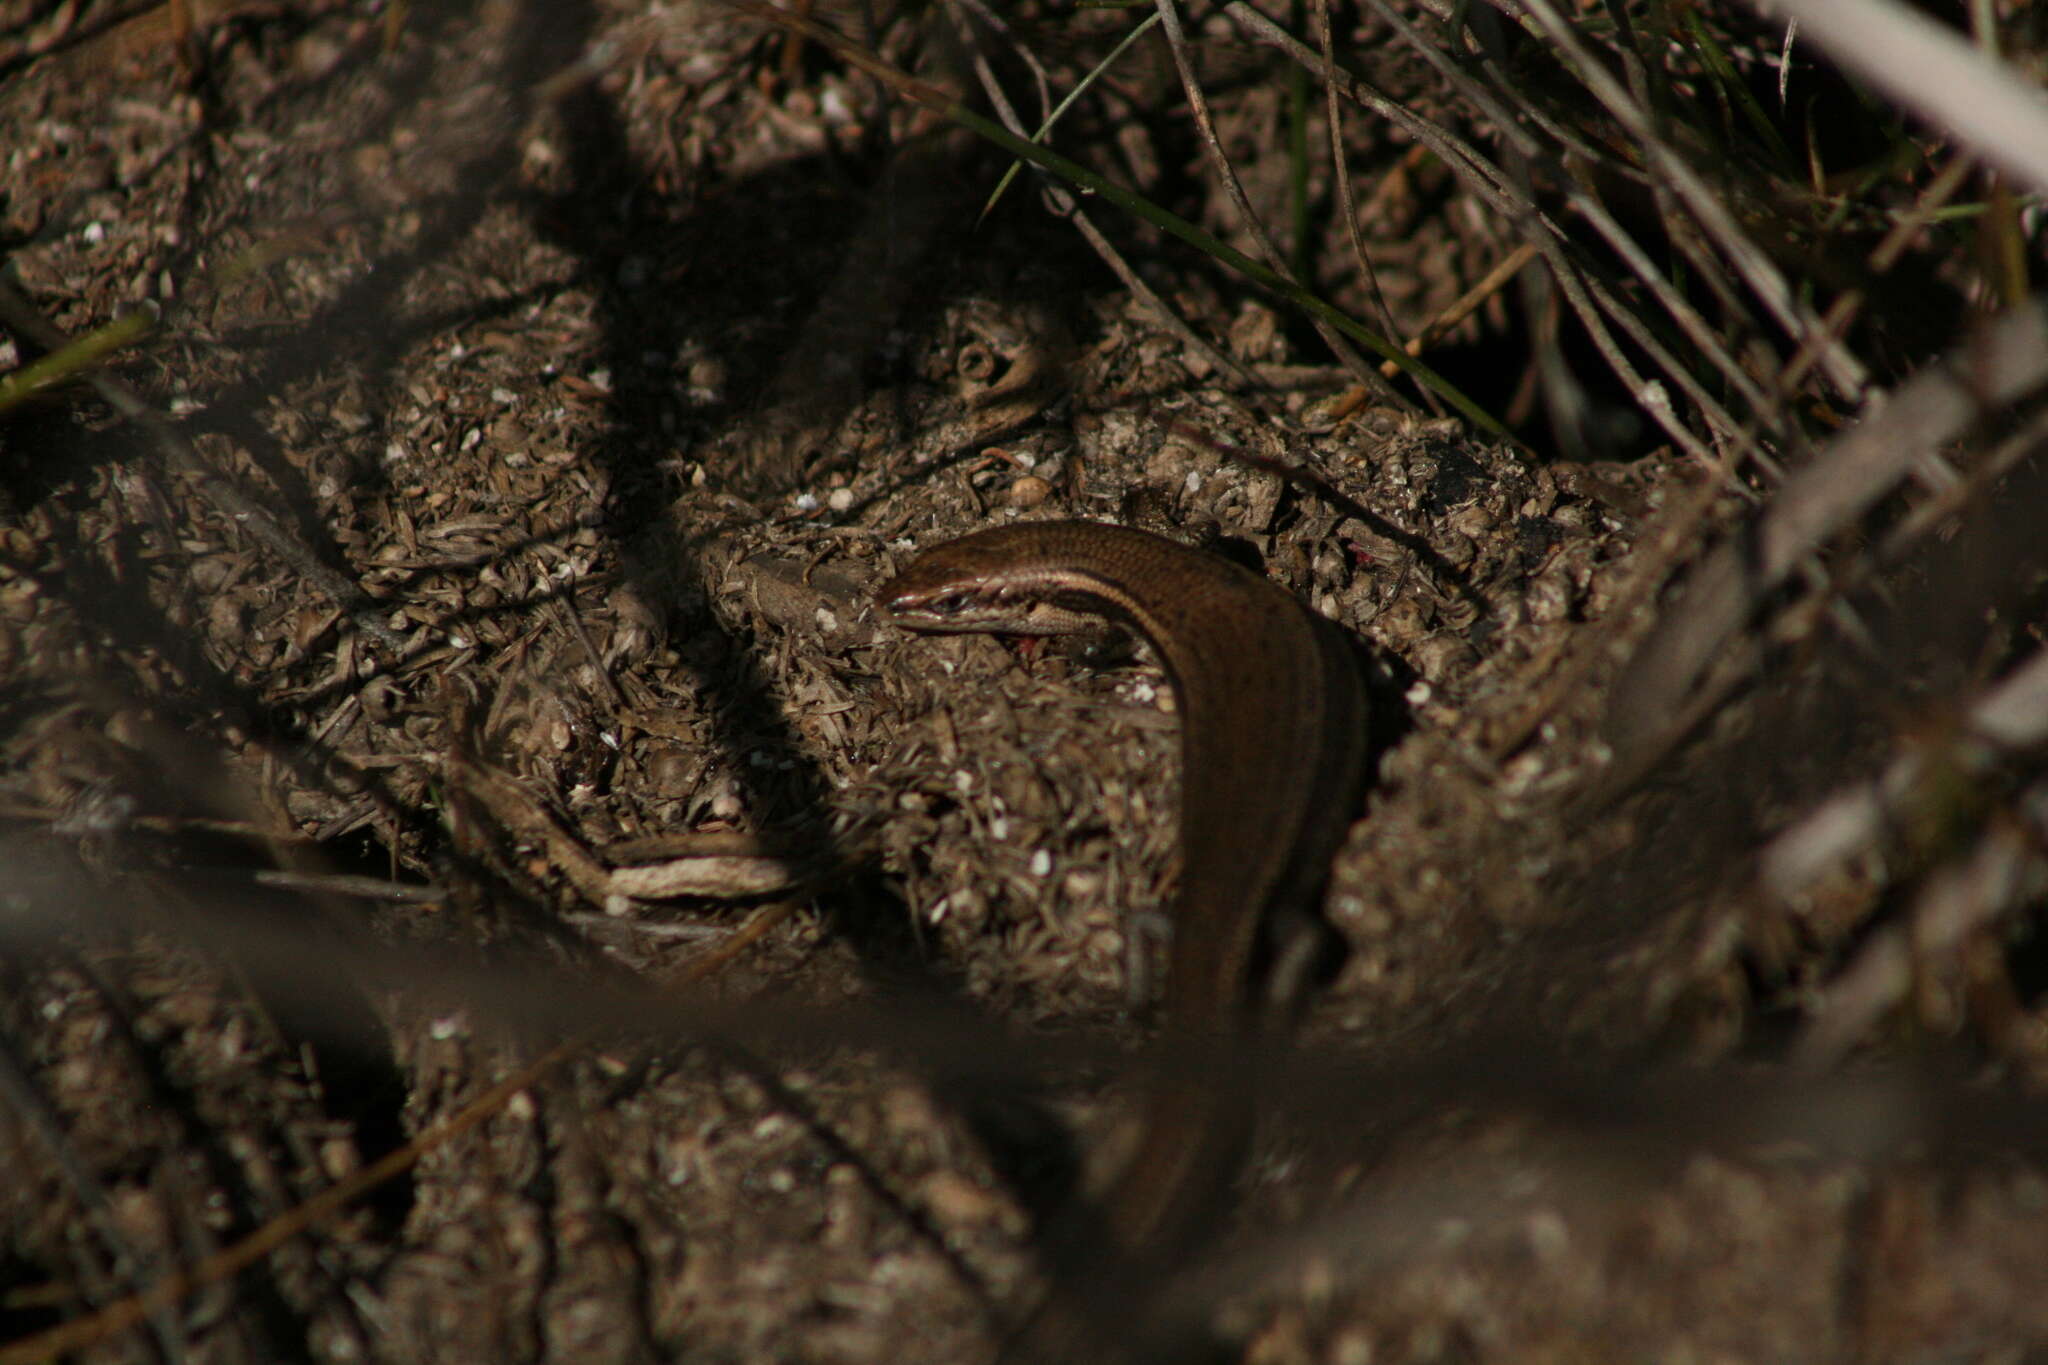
column 477, row 884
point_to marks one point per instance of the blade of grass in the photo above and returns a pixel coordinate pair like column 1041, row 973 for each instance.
column 1300, row 252
column 1987, row 106
column 1723, row 70
column 1045, row 129
column 75, row 358
column 1088, row 182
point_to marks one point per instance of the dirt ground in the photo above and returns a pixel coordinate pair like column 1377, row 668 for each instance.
column 556, row 381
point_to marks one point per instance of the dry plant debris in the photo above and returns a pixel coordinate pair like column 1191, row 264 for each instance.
column 442, row 704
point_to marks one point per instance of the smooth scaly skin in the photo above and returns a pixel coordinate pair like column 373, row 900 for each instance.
column 1273, row 744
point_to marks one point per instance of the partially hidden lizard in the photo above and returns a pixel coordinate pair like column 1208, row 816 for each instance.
column 1273, row 745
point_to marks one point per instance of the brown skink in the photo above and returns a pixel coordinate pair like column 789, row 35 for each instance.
column 1273, row 744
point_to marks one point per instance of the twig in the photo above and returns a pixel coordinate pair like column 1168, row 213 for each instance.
column 1844, row 371
column 231, row 502
column 1066, row 205
column 1955, row 902
column 1993, row 369
column 1226, row 175
column 2012, row 715
column 1981, row 102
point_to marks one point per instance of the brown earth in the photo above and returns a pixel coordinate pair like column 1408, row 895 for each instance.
column 545, row 431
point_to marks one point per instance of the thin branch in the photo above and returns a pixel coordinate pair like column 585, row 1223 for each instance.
column 1979, row 101
column 1844, row 371
column 18, row 313
column 1991, row 370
